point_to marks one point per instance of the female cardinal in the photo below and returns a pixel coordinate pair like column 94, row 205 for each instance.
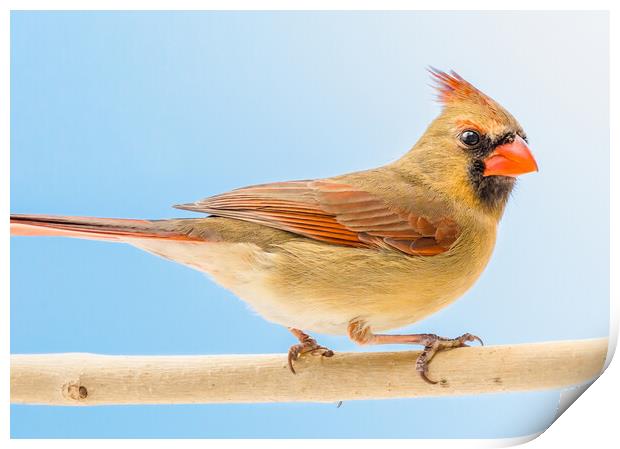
column 357, row 253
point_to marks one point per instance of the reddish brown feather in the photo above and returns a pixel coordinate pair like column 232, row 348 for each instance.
column 452, row 88
column 93, row 228
column 335, row 213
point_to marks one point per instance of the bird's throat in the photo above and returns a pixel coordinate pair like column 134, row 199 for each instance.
column 492, row 191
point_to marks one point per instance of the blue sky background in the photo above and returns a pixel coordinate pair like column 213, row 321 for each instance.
column 125, row 114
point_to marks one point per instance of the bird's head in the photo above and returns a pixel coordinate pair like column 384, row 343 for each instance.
column 474, row 150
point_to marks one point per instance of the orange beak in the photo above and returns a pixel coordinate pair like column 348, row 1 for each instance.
column 510, row 159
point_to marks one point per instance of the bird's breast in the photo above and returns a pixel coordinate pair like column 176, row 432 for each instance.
column 322, row 287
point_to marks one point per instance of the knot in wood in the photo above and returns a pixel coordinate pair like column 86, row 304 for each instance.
column 75, row 391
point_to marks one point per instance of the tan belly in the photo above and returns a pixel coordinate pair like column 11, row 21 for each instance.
column 321, row 288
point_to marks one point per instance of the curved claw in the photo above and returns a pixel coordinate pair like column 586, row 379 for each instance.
column 421, row 364
column 470, row 337
column 293, row 354
column 435, row 344
column 426, row 378
column 326, row 352
column 290, row 364
column 304, row 348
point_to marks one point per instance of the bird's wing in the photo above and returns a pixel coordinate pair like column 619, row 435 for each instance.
column 336, row 213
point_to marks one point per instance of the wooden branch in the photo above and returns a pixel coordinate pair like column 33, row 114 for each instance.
column 88, row 379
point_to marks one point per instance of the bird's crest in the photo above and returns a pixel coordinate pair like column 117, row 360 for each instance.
column 452, row 88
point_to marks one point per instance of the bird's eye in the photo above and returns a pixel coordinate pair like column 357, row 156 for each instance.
column 470, row 138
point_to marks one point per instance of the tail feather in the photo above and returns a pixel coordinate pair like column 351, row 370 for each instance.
column 114, row 229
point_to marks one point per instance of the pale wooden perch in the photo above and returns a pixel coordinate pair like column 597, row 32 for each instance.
column 87, row 379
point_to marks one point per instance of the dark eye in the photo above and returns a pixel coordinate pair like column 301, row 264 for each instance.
column 470, row 138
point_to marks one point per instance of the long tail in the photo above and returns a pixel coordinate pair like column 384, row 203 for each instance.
column 110, row 229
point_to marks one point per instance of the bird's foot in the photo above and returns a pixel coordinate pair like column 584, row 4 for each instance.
column 360, row 333
column 306, row 345
column 434, row 344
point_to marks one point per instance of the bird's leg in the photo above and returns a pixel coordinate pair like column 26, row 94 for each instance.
column 360, row 333
column 306, row 344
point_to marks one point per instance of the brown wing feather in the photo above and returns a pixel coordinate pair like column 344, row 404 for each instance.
column 336, row 213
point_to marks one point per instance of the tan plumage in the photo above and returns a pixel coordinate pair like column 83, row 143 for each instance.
column 357, row 253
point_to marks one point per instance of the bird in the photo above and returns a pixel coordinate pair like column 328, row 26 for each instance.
column 357, row 254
